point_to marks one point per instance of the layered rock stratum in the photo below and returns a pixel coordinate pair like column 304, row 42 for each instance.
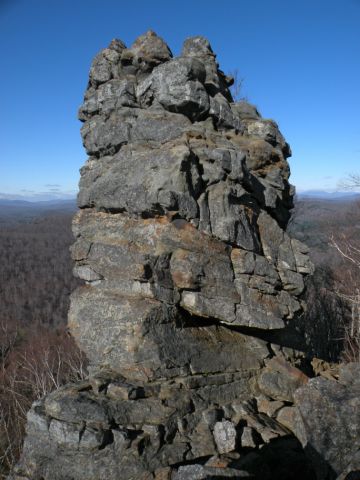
column 192, row 287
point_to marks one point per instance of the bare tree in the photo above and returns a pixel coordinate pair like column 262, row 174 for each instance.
column 237, row 85
column 36, row 353
column 30, row 371
column 351, row 182
column 347, row 245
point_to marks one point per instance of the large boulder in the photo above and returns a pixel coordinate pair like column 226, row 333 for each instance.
column 330, row 429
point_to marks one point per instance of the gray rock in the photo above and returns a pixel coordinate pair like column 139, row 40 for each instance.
column 225, row 436
column 106, row 136
column 245, row 110
column 279, row 380
column 330, row 413
column 221, row 111
column 86, row 273
column 143, row 182
column 178, row 86
column 266, row 130
column 215, row 80
column 352, row 471
column 189, row 274
column 64, row 434
column 201, row 472
column 269, row 407
column 197, row 47
column 158, row 126
column 109, row 97
column 150, row 50
column 290, row 418
column 249, row 439
column 101, row 67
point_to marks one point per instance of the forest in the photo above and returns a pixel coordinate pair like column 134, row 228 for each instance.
column 37, row 354
column 330, row 228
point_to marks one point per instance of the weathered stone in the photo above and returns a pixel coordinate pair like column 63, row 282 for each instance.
column 268, row 131
column 178, row 86
column 69, row 405
column 197, row 47
column 266, row 428
column 106, row 136
column 303, row 263
column 290, row 418
column 279, row 380
column 269, row 407
column 189, row 274
column 200, row 472
column 352, row 471
column 109, row 97
column 101, row 68
column 225, row 436
column 150, row 50
column 215, row 80
column 249, row 439
column 330, row 413
column 221, row 111
column 86, row 273
column 163, row 473
column 65, row 434
column 245, row 110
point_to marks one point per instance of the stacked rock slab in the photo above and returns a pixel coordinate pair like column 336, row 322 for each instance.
column 181, row 243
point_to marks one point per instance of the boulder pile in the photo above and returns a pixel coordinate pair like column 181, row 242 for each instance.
column 192, row 286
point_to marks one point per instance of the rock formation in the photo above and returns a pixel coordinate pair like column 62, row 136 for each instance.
column 189, row 281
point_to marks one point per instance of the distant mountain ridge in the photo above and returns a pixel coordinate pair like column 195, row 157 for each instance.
column 15, row 211
column 332, row 196
column 37, row 204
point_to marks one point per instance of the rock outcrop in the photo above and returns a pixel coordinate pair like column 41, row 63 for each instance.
column 189, row 280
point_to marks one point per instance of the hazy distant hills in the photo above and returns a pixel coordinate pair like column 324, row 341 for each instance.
column 331, row 196
column 312, row 206
column 23, row 211
column 316, row 218
column 42, row 204
column 317, row 214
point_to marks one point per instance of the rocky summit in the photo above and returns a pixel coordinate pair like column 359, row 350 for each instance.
column 192, row 288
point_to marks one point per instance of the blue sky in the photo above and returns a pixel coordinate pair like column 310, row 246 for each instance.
column 299, row 61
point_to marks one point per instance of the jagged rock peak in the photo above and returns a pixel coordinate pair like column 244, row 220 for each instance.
column 215, row 81
column 151, row 46
column 196, row 47
column 117, row 45
column 165, row 143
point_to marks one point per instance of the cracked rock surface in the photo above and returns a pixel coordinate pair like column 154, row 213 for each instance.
column 181, row 242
